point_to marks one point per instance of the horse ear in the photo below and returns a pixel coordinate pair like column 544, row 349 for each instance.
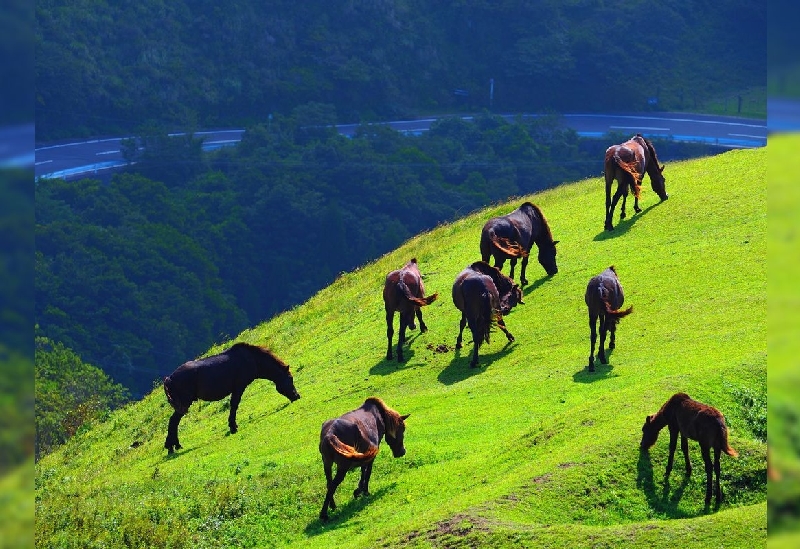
column 647, row 420
column 405, row 417
column 661, row 169
column 556, row 242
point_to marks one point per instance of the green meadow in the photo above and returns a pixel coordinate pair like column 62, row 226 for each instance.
column 528, row 450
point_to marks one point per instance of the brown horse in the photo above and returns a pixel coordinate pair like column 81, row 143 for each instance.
column 627, row 163
column 693, row 420
column 215, row 377
column 604, row 297
column 353, row 440
column 404, row 292
column 483, row 294
column 512, row 236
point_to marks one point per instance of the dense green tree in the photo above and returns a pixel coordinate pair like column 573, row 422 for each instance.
column 69, row 394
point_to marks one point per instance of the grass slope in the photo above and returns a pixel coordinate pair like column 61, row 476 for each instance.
column 527, row 450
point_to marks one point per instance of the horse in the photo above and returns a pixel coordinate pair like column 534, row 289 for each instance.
column 215, row 377
column 404, row 292
column 693, row 420
column 604, row 298
column 353, row 440
column 512, row 236
column 483, row 294
column 627, row 163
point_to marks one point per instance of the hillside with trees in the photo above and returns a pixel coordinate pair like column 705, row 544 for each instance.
column 149, row 270
column 105, row 67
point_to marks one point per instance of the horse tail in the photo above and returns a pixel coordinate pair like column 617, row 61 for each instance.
column 508, row 247
column 403, row 288
column 614, row 314
column 349, row 452
column 174, row 402
column 485, row 320
column 725, row 446
column 631, row 168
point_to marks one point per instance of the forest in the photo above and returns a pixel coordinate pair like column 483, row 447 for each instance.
column 106, row 67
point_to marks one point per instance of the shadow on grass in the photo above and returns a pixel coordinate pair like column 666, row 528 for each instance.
column 387, row 367
column 459, row 368
column 344, row 512
column 527, row 290
column 177, row 453
column 624, row 225
column 660, row 500
column 601, row 371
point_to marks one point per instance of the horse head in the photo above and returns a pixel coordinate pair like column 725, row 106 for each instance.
column 649, row 433
column 547, row 257
column 511, row 299
column 286, row 388
column 394, row 438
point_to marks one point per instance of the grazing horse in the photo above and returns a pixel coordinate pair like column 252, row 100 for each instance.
column 483, row 294
column 404, row 292
column 215, row 377
column 353, row 440
column 513, row 235
column 693, row 420
column 627, row 163
column 604, row 298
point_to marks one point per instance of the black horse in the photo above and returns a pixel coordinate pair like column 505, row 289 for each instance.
column 353, row 440
column 513, row 235
column 215, row 377
column 483, row 294
column 604, row 297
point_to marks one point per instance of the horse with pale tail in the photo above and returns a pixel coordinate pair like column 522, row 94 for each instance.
column 353, row 440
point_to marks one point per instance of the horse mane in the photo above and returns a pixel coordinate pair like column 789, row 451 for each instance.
column 391, row 417
column 546, row 226
column 264, row 351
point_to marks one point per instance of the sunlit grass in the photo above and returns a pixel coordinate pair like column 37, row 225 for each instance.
column 527, row 450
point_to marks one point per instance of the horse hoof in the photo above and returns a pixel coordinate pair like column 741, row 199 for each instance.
column 591, row 368
column 423, row 328
column 233, row 430
column 323, row 516
column 412, row 326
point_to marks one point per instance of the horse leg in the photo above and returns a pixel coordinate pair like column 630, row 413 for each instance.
column 172, row 444
column 705, row 450
column 474, row 362
column 422, row 326
column 513, row 265
column 612, row 333
column 609, row 211
column 236, row 397
column 401, row 338
column 461, row 331
column 502, row 325
column 593, row 338
column 389, row 333
column 622, row 213
column 609, row 219
column 716, row 475
column 363, row 483
column 636, row 207
column 685, row 450
column 601, row 353
column 332, row 486
column 522, row 278
column 673, row 443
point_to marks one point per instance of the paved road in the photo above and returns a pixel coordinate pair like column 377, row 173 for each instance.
column 74, row 159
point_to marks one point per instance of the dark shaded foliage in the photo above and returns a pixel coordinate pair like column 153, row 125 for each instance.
column 104, row 67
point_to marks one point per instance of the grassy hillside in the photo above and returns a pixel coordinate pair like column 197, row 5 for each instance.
column 527, row 450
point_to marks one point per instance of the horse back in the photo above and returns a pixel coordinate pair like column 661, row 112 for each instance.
column 604, row 286
column 702, row 423
column 212, row 378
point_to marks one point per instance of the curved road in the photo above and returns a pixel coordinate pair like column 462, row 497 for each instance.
column 74, row 159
